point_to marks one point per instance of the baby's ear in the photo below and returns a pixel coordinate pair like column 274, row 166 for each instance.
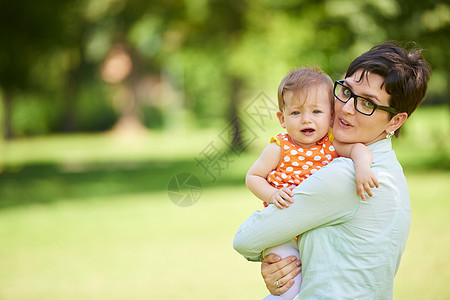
column 280, row 117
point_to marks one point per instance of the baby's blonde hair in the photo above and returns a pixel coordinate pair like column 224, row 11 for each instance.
column 301, row 80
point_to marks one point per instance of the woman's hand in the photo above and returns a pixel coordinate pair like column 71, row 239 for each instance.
column 277, row 271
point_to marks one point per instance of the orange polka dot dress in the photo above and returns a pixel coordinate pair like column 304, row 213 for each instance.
column 298, row 163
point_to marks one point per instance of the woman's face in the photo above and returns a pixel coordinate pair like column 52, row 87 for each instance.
column 349, row 125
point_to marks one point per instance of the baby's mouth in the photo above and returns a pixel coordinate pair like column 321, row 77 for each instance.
column 308, row 131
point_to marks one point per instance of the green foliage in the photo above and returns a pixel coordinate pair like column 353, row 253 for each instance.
column 31, row 117
column 215, row 52
column 95, row 112
column 425, row 132
column 206, row 85
column 152, row 117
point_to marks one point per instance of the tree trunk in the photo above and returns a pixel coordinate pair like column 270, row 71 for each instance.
column 129, row 122
column 71, row 91
column 237, row 139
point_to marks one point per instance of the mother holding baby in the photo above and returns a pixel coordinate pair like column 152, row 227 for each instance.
column 349, row 248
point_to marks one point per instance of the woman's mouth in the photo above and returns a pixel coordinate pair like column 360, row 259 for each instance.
column 345, row 123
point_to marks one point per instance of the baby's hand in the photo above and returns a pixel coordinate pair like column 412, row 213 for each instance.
column 282, row 197
column 364, row 182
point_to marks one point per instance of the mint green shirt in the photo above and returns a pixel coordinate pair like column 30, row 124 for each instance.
column 350, row 249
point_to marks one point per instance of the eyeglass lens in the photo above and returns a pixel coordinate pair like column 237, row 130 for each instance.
column 362, row 105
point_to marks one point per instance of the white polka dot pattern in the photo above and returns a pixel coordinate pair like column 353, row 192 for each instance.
column 294, row 168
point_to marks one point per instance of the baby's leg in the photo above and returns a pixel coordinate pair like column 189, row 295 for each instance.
column 284, row 250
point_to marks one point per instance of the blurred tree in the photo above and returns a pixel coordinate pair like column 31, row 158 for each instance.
column 29, row 30
column 425, row 22
column 75, row 70
column 147, row 34
column 216, row 28
column 428, row 24
column 204, row 56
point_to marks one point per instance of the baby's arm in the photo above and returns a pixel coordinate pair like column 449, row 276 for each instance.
column 256, row 178
column 362, row 158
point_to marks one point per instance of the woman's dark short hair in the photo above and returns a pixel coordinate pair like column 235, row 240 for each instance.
column 406, row 73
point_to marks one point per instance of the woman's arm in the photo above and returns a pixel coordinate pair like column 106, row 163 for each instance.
column 326, row 197
column 256, row 178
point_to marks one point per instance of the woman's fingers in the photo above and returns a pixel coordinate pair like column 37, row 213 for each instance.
column 271, row 258
column 283, row 287
column 278, row 271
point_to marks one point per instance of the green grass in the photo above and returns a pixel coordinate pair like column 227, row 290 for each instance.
column 137, row 246
column 425, row 269
column 89, row 217
column 142, row 246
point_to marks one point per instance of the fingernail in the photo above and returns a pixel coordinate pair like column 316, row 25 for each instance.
column 293, row 258
column 298, row 263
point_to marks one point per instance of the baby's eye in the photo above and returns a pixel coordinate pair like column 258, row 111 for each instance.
column 295, row 112
column 316, row 111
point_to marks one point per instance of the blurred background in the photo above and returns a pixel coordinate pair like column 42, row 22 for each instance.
column 127, row 127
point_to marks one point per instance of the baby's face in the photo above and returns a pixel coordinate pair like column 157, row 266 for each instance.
column 307, row 115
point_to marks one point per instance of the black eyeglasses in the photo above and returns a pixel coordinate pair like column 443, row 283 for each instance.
column 362, row 105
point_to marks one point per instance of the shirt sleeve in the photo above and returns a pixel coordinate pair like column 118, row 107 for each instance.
column 326, row 198
column 275, row 140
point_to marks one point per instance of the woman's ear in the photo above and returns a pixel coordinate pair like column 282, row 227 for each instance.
column 397, row 121
column 280, row 116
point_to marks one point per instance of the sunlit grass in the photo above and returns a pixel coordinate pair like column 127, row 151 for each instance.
column 425, row 269
column 142, row 246
column 80, row 149
column 128, row 247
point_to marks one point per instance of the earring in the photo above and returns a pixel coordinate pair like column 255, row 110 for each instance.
column 390, row 134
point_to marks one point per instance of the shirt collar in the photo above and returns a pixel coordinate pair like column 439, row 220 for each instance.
column 383, row 145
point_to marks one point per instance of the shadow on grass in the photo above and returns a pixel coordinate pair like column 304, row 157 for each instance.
column 48, row 183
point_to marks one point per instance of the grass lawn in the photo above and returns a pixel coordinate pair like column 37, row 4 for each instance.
column 89, row 217
column 142, row 246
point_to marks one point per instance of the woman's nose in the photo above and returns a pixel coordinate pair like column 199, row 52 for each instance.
column 349, row 107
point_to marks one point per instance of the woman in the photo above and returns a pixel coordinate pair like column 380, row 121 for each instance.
column 350, row 249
